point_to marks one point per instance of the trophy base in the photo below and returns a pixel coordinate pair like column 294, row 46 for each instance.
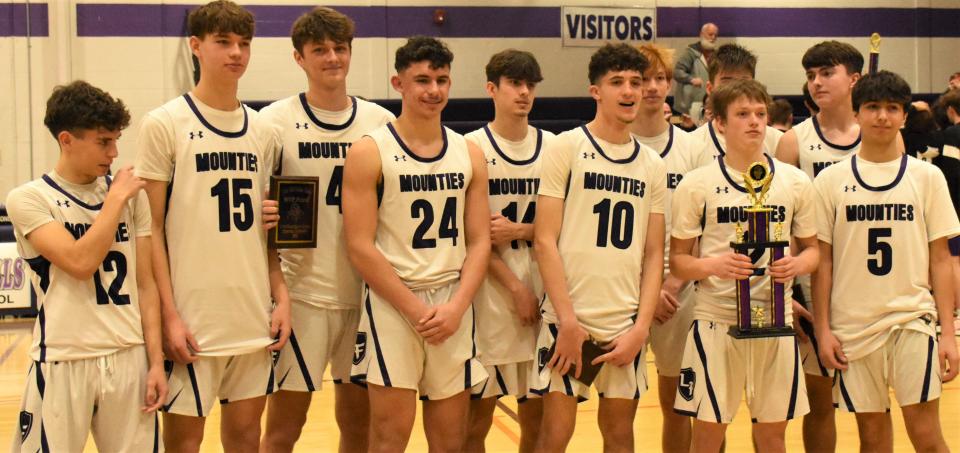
column 760, row 332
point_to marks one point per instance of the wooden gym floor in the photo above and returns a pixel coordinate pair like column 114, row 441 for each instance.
column 320, row 434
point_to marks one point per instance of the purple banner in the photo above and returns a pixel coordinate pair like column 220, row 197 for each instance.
column 20, row 19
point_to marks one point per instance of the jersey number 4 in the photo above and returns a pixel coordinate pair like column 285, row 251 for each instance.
column 114, row 262
column 422, row 209
column 242, row 201
column 883, row 263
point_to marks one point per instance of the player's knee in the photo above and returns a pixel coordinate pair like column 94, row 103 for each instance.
column 182, row 443
column 617, row 430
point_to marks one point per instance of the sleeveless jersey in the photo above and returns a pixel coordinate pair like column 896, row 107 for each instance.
column 815, row 151
column 420, row 217
column 218, row 164
column 669, row 146
column 880, row 219
column 80, row 319
column 322, row 276
column 609, row 192
column 709, row 143
column 513, row 171
column 711, row 201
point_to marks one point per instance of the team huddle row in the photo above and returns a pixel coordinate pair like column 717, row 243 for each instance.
column 462, row 269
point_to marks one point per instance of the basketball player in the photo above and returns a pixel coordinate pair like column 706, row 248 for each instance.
column 599, row 243
column 507, row 306
column 318, row 127
column 674, row 312
column 731, row 62
column 97, row 359
column 830, row 135
column 417, row 227
column 709, row 204
column 884, row 222
column 207, row 159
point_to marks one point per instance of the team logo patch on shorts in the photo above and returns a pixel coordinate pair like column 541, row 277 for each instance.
column 542, row 358
column 360, row 348
column 688, row 380
column 26, row 422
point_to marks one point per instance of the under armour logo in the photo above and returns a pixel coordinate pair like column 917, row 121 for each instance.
column 813, row 147
column 399, row 158
column 723, row 189
column 590, row 155
column 492, row 161
column 64, row 203
column 198, row 134
column 849, row 188
column 305, row 125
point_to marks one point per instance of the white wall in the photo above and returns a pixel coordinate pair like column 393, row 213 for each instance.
column 146, row 71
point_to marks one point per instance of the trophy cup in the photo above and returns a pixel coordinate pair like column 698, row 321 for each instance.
column 766, row 319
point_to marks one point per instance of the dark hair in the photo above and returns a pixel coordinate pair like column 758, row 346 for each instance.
column 881, row 86
column 319, row 24
column 950, row 99
column 615, row 57
column 513, row 64
column 423, row 48
column 220, row 16
column 808, row 101
column 80, row 106
column 832, row 53
column 732, row 57
column 780, row 112
column 728, row 93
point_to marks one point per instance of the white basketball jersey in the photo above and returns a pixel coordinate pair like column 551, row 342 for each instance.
column 709, row 143
column 671, row 145
column 609, row 192
column 815, row 151
column 215, row 238
column 313, row 146
column 880, row 219
column 712, row 200
column 420, row 218
column 80, row 319
column 513, row 171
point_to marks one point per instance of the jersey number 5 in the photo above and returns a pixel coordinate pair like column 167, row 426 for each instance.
column 243, row 220
column 422, row 209
column 883, row 263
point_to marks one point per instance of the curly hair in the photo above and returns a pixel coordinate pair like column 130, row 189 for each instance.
column 615, row 57
column 513, row 64
column 879, row 87
column 319, row 24
column 80, row 106
column 832, row 53
column 221, row 16
column 423, row 48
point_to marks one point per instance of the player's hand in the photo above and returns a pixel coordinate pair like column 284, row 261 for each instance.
column 831, row 351
column 949, row 358
column 666, row 308
column 527, row 305
column 178, row 343
column 799, row 311
column 623, row 349
column 696, row 81
column 157, row 389
column 270, row 212
column 502, row 230
column 125, row 184
column 569, row 343
column 785, row 269
column 444, row 323
column 732, row 266
column 280, row 326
